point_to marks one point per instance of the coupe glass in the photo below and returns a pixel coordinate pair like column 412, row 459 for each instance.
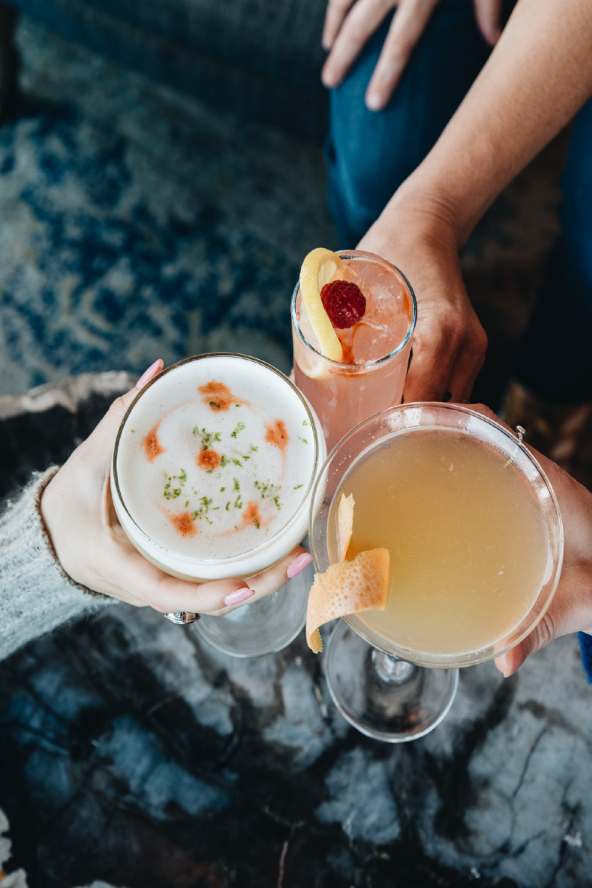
column 267, row 625
column 387, row 690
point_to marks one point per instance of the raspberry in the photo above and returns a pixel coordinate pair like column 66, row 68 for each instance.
column 344, row 302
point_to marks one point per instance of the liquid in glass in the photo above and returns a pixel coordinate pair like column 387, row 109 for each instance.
column 468, row 541
column 371, row 376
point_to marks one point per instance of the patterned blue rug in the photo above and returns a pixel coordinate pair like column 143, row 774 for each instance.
column 136, row 223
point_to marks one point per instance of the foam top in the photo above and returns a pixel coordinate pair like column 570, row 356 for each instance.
column 215, row 457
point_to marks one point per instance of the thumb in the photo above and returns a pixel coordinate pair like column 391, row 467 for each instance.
column 570, row 611
column 488, row 14
column 103, row 438
column 542, row 634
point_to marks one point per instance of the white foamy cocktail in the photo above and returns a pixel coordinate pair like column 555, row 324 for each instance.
column 214, row 465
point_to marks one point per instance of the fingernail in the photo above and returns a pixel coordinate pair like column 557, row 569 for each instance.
column 299, row 564
column 329, row 79
column 148, row 374
column 238, row 595
column 374, row 101
column 502, row 664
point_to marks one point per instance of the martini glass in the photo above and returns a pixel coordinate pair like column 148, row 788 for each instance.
column 385, row 686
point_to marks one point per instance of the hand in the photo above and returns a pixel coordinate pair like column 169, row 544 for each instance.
column 94, row 551
column 571, row 608
column 449, row 343
column 349, row 25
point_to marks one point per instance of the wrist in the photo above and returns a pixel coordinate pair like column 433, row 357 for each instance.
column 418, row 211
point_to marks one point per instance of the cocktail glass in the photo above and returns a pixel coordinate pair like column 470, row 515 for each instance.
column 268, row 624
column 388, row 689
column 343, row 394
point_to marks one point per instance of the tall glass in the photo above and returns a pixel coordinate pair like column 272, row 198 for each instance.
column 343, row 394
column 387, row 686
column 173, row 483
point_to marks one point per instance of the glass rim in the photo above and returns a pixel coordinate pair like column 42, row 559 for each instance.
column 518, row 632
column 366, row 364
column 232, row 559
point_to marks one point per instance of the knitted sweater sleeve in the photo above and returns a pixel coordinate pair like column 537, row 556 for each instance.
column 35, row 593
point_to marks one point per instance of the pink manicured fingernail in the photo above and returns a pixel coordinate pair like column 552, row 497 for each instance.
column 238, row 595
column 149, row 373
column 299, row 564
column 502, row 664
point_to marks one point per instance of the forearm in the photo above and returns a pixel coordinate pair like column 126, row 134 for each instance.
column 537, row 78
column 35, row 594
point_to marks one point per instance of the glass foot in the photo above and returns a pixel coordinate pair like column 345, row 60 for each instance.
column 264, row 627
column 384, row 697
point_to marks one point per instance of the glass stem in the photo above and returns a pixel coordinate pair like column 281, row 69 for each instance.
column 391, row 669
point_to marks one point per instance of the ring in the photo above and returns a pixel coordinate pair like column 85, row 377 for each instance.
column 182, row 618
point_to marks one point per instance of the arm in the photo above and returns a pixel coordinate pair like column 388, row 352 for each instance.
column 35, row 594
column 537, row 78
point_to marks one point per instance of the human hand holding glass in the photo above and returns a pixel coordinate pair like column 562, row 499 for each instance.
column 476, row 543
column 449, row 342
column 94, row 551
column 571, row 608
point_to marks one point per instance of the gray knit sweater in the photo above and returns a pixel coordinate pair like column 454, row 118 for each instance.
column 35, row 593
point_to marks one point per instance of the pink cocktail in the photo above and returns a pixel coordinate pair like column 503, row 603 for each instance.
column 371, row 375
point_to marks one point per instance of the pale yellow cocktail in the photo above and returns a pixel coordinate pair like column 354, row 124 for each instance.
column 468, row 541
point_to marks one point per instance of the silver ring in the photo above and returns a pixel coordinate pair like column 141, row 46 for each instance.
column 182, row 618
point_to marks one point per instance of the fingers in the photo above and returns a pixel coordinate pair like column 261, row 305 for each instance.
column 543, row 633
column 123, row 573
column 407, row 27
column 358, row 25
column 172, row 595
column 336, row 12
column 150, row 373
column 488, row 14
column 448, row 352
column 469, row 361
column 270, row 581
column 99, row 445
column 570, row 610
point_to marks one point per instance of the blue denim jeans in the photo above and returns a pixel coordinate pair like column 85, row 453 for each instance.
column 370, row 154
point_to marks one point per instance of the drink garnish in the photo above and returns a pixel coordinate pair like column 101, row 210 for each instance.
column 184, row 524
column 151, row 444
column 208, row 459
column 318, row 268
column 347, row 587
column 345, row 524
column 216, row 395
column 344, row 303
column 277, row 434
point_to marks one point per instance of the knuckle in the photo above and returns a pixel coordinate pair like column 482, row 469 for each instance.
column 546, row 630
column 485, row 410
column 157, row 605
column 478, row 341
column 542, row 634
column 119, row 406
column 400, row 47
